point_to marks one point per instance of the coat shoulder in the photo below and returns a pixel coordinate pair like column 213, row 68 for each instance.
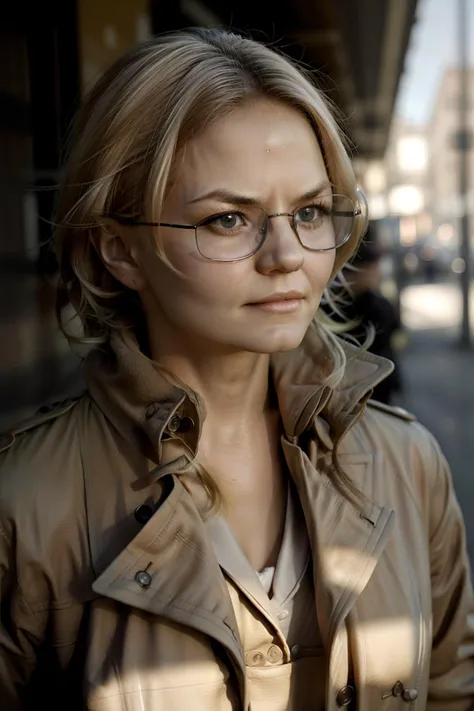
column 388, row 427
column 40, row 458
column 43, row 504
column 409, row 449
column 393, row 410
column 45, row 414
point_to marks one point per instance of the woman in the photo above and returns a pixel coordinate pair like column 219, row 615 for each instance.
column 223, row 521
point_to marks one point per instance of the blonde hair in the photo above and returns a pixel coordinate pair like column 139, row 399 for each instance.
column 126, row 138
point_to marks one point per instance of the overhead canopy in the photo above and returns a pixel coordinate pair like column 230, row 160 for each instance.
column 359, row 45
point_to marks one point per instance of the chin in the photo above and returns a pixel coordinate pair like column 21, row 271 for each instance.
column 278, row 340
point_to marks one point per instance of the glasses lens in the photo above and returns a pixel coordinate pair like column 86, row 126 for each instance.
column 326, row 225
column 231, row 235
column 343, row 217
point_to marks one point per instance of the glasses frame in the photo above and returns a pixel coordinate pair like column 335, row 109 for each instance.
column 134, row 222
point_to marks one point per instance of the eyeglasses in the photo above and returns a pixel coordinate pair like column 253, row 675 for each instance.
column 234, row 235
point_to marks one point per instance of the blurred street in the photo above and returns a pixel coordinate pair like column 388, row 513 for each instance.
column 439, row 379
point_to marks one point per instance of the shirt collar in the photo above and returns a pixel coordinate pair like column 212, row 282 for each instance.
column 290, row 568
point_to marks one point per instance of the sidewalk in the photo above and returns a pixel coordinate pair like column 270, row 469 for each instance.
column 439, row 379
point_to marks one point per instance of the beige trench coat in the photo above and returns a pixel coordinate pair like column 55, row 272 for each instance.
column 104, row 612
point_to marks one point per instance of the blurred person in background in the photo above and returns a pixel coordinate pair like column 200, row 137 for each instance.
column 222, row 522
column 372, row 313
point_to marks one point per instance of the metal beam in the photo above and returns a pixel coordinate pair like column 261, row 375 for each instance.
column 395, row 24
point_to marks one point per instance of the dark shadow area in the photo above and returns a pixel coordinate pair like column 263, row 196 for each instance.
column 36, row 364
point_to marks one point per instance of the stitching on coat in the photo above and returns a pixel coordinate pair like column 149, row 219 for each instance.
column 179, row 536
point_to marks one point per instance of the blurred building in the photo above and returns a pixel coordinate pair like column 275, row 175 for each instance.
column 398, row 183
column 413, row 190
column 51, row 52
column 443, row 180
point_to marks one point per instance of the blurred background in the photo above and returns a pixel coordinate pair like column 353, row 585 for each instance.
column 402, row 73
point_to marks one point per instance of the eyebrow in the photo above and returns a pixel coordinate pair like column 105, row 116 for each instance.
column 236, row 199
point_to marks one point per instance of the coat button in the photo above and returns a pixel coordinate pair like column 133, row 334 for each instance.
column 143, row 578
column 143, row 514
column 345, row 696
column 410, row 694
column 254, row 659
column 174, row 423
column 398, row 689
column 180, row 424
column 295, row 651
column 275, row 654
column 282, row 615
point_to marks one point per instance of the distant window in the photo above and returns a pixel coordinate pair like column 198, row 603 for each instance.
column 406, row 200
column 412, row 154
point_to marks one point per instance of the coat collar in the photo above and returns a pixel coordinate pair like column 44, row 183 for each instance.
column 141, row 398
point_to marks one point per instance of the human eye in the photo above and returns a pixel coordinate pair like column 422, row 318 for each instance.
column 313, row 215
column 226, row 223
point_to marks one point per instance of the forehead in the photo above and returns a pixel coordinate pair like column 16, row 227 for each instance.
column 251, row 149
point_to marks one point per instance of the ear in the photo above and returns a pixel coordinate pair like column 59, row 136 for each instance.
column 117, row 247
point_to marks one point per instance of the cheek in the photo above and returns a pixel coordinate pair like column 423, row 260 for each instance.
column 198, row 282
column 319, row 267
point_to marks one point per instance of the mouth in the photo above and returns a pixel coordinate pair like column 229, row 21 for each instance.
column 279, row 296
column 281, row 302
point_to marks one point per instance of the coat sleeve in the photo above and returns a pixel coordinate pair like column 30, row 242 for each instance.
column 19, row 632
column 451, row 685
column 38, row 461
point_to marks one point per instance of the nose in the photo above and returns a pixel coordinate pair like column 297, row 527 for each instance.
column 282, row 251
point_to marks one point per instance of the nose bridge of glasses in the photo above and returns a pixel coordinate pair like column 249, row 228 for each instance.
column 291, row 220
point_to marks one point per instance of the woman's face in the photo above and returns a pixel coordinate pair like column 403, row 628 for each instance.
column 264, row 154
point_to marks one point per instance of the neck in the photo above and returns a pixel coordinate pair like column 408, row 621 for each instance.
column 233, row 384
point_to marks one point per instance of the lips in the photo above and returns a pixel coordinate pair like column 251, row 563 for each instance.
column 280, row 296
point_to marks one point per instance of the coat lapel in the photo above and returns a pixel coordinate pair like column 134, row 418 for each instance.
column 183, row 581
column 346, row 543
